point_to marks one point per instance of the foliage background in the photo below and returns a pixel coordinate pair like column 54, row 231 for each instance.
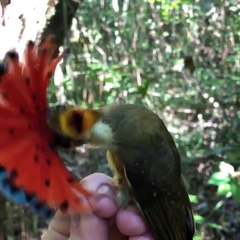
column 180, row 58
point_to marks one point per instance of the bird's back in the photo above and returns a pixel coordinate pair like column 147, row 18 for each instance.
column 152, row 166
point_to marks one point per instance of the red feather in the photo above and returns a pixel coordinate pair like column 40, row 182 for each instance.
column 26, row 156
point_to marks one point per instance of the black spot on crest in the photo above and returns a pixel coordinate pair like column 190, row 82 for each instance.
column 11, row 132
column 47, row 183
column 27, row 82
column 49, row 75
column 64, row 206
column 70, row 180
column 36, row 158
column 22, row 110
column 30, row 44
column 48, row 161
column 34, row 97
column 12, row 55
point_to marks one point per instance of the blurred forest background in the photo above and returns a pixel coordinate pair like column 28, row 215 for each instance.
column 180, row 58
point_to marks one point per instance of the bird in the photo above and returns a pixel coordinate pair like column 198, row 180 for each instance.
column 144, row 160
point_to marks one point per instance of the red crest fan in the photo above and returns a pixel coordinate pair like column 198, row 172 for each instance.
column 31, row 172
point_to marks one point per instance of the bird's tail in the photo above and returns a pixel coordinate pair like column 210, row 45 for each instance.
column 171, row 220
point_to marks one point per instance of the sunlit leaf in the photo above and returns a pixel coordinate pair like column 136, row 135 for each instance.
column 216, row 226
column 198, row 219
column 226, row 168
column 223, row 189
column 197, row 238
column 235, row 188
column 193, row 198
column 219, row 178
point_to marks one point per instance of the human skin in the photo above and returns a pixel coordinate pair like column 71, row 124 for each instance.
column 104, row 222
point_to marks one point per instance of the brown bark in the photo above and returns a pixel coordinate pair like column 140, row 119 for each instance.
column 59, row 24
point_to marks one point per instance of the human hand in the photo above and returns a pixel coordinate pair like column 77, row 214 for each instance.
column 105, row 222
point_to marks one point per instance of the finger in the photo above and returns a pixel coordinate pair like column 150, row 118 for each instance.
column 89, row 227
column 59, row 227
column 103, row 203
column 130, row 222
column 53, row 235
column 92, row 225
column 93, row 181
column 114, row 234
column 142, row 237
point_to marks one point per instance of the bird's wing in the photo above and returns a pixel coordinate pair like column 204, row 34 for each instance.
column 160, row 194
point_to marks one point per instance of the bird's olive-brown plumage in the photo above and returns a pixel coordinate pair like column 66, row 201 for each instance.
column 146, row 166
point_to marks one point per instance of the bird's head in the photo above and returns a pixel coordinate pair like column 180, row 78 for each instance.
column 80, row 126
column 107, row 127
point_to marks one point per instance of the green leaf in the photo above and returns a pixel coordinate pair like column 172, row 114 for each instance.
column 198, row 219
column 197, row 238
column 224, row 189
column 219, row 178
column 193, row 198
column 235, row 188
column 216, row 226
column 143, row 89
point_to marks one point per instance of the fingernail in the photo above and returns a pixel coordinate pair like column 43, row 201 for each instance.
column 106, row 190
column 103, row 189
